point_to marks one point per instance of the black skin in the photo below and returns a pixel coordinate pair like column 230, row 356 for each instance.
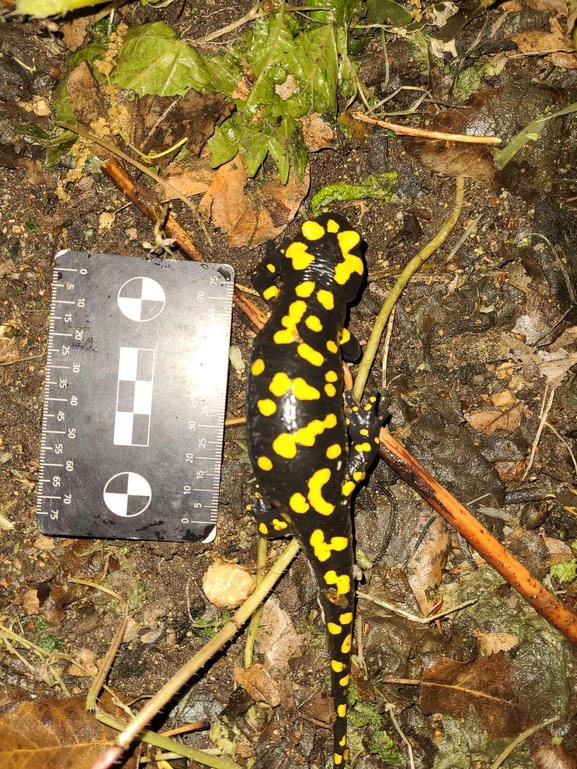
column 309, row 447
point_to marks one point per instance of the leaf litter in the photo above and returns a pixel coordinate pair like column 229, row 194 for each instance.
column 524, row 359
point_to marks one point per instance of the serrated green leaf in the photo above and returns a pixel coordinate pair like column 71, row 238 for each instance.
column 153, row 60
column 564, row 572
column 316, row 53
column 254, row 146
column 225, row 141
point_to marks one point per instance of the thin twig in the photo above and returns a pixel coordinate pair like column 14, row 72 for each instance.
column 386, row 347
column 564, row 442
column 165, row 694
column 390, row 709
column 488, row 547
column 21, row 360
column 521, row 738
column 413, row 617
column 262, row 550
column 416, row 262
column 405, row 130
column 546, row 404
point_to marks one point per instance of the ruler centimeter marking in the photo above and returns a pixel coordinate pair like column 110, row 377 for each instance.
column 135, row 390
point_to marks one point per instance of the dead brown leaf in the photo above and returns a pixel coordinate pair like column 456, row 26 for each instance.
column 84, row 95
column 259, row 684
column 277, row 638
column 190, row 180
column 160, row 122
column 536, row 40
column 74, row 31
column 52, row 734
column 426, row 566
column 318, row 134
column 251, row 221
column 493, row 643
column 490, row 420
column 451, row 688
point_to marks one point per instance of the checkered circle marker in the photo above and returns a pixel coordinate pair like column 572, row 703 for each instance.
column 127, row 494
column 141, row 299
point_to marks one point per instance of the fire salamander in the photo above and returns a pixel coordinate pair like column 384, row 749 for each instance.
column 309, row 455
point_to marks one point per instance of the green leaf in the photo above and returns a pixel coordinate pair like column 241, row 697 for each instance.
column 316, row 54
column 153, row 60
column 376, row 187
column 387, row 12
column 564, row 572
column 225, row 141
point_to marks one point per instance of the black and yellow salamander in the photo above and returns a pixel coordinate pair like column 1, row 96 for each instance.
column 309, row 455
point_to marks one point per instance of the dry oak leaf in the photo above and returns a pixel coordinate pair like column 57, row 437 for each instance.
column 536, row 40
column 53, row 734
column 259, row 684
column 451, row 688
column 425, row 568
column 277, row 638
column 493, row 643
column 251, row 220
column 488, row 421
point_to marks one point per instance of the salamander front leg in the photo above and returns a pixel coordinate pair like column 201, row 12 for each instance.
column 364, row 424
column 271, row 524
column 265, row 275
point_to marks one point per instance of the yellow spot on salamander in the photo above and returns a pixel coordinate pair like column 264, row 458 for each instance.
column 315, row 495
column 346, row 647
column 344, row 681
column 313, row 230
column 330, row 390
column 279, row 525
column 362, row 447
column 348, row 488
column 334, row 451
column 298, row 503
column 306, row 352
column 290, row 334
column 332, row 346
column 337, row 666
column 271, row 268
column 346, row 619
column 342, row 711
column 343, row 742
column 358, row 476
column 271, row 293
column 264, row 463
column 351, row 263
column 257, row 367
column 286, row 444
column 332, row 226
column 263, row 528
column 342, row 582
column 322, row 549
column 334, row 629
column 332, row 376
column 299, row 255
column 364, row 432
column 337, row 760
column 326, row 299
column 267, row 407
column 305, row 289
column 281, row 384
column 313, row 323
column 345, row 336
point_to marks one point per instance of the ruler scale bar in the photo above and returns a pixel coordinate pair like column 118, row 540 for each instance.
column 137, row 430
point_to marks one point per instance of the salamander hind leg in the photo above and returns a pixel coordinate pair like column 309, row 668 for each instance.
column 364, row 424
column 271, row 523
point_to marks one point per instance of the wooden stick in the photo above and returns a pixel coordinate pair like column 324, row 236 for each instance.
column 147, row 202
column 423, row 133
column 543, row 601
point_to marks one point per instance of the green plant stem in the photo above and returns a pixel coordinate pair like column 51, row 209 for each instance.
column 165, row 743
column 416, row 262
column 521, row 738
column 164, row 695
column 256, row 617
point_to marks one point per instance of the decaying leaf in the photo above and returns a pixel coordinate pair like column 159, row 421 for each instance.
column 52, row 734
column 490, row 420
column 536, row 40
column 251, row 220
column 493, row 643
column 425, row 568
column 451, row 688
column 277, row 638
column 259, row 684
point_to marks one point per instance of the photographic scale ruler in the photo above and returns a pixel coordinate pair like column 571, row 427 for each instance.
column 134, row 400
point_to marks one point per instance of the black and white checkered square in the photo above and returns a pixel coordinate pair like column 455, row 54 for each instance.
column 134, row 396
